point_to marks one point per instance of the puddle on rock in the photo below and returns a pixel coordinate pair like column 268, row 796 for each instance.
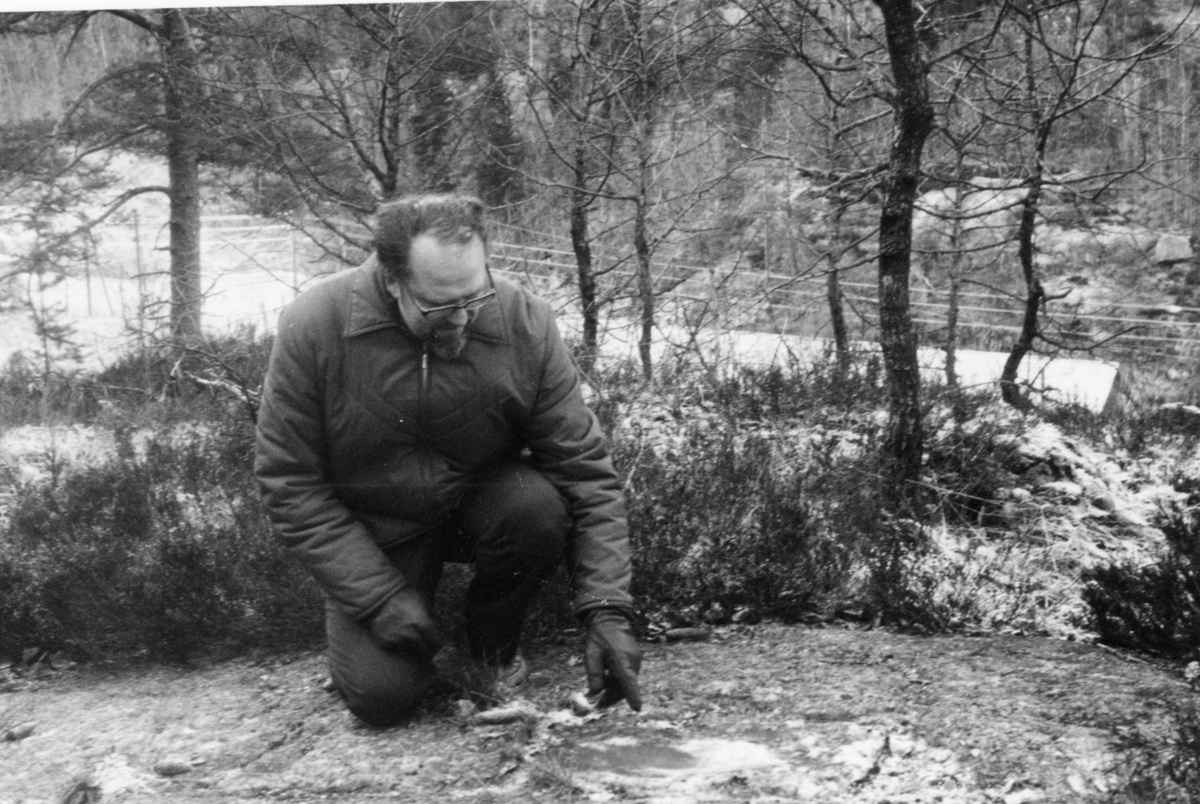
column 635, row 757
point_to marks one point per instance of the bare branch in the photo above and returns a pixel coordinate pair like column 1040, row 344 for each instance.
column 92, row 87
column 140, row 20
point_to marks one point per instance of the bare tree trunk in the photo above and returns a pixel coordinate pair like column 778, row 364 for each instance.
column 1010, row 391
column 645, row 286
column 956, row 263
column 952, row 334
column 430, row 122
column 581, row 244
column 183, row 129
column 914, row 121
column 643, row 122
column 391, row 108
column 833, row 292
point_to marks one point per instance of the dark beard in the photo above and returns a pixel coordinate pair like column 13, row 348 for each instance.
column 447, row 344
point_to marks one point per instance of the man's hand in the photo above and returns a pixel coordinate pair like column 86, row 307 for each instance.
column 403, row 624
column 612, row 658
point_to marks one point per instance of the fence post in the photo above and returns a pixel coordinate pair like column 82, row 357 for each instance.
column 141, row 281
column 87, row 279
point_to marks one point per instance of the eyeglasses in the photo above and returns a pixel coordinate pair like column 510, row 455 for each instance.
column 449, row 309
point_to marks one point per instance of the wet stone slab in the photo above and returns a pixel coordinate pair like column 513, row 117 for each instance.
column 652, row 758
column 663, row 766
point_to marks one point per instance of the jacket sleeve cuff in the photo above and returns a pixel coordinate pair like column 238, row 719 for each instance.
column 584, row 613
column 364, row 617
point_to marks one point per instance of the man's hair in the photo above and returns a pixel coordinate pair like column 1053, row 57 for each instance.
column 450, row 218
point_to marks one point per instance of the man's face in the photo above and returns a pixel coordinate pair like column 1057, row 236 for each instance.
column 442, row 274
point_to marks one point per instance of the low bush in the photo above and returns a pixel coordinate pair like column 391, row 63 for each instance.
column 30, row 396
column 211, row 379
column 971, row 461
column 756, row 492
column 1138, row 427
column 773, row 392
column 162, row 550
column 1163, row 768
column 721, row 522
column 1153, row 608
column 1182, row 763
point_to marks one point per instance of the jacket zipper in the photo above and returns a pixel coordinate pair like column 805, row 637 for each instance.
column 423, row 422
column 424, row 374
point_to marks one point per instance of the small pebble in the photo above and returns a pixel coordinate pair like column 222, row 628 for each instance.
column 580, row 705
column 687, row 634
column 509, row 713
column 172, row 767
column 19, row 732
column 901, row 745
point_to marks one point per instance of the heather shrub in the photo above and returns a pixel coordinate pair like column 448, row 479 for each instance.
column 752, row 491
column 971, row 461
column 28, row 395
column 735, row 504
column 215, row 378
column 1138, row 427
column 1163, row 768
column 1153, row 608
column 162, row 550
column 798, row 389
column 721, row 522
column 1182, row 763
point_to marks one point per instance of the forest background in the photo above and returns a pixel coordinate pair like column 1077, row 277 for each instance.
column 1012, row 175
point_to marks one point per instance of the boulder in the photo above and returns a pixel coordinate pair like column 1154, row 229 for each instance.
column 1172, row 249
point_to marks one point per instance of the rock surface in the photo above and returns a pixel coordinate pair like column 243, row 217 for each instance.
column 759, row 713
column 1171, row 249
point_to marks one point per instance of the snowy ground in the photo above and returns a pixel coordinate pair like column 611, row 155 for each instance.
column 107, row 312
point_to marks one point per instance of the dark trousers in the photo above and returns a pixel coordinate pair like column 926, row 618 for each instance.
column 512, row 525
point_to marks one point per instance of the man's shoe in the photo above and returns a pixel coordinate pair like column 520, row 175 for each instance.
column 514, row 674
column 494, row 685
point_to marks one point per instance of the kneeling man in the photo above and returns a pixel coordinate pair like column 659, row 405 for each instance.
column 418, row 410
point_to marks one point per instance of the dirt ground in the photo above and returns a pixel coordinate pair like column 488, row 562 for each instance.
column 764, row 713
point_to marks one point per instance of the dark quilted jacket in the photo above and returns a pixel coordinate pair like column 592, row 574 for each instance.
column 364, row 442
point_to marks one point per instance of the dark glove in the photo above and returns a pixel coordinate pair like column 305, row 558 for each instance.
column 403, row 624
column 612, row 658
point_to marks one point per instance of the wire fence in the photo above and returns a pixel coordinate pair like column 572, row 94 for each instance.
column 737, row 297
column 252, row 268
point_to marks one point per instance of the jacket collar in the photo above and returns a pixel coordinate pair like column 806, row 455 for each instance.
column 372, row 307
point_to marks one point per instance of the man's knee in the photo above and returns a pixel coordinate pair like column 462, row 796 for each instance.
column 528, row 497
column 379, row 687
column 515, row 513
column 385, row 700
